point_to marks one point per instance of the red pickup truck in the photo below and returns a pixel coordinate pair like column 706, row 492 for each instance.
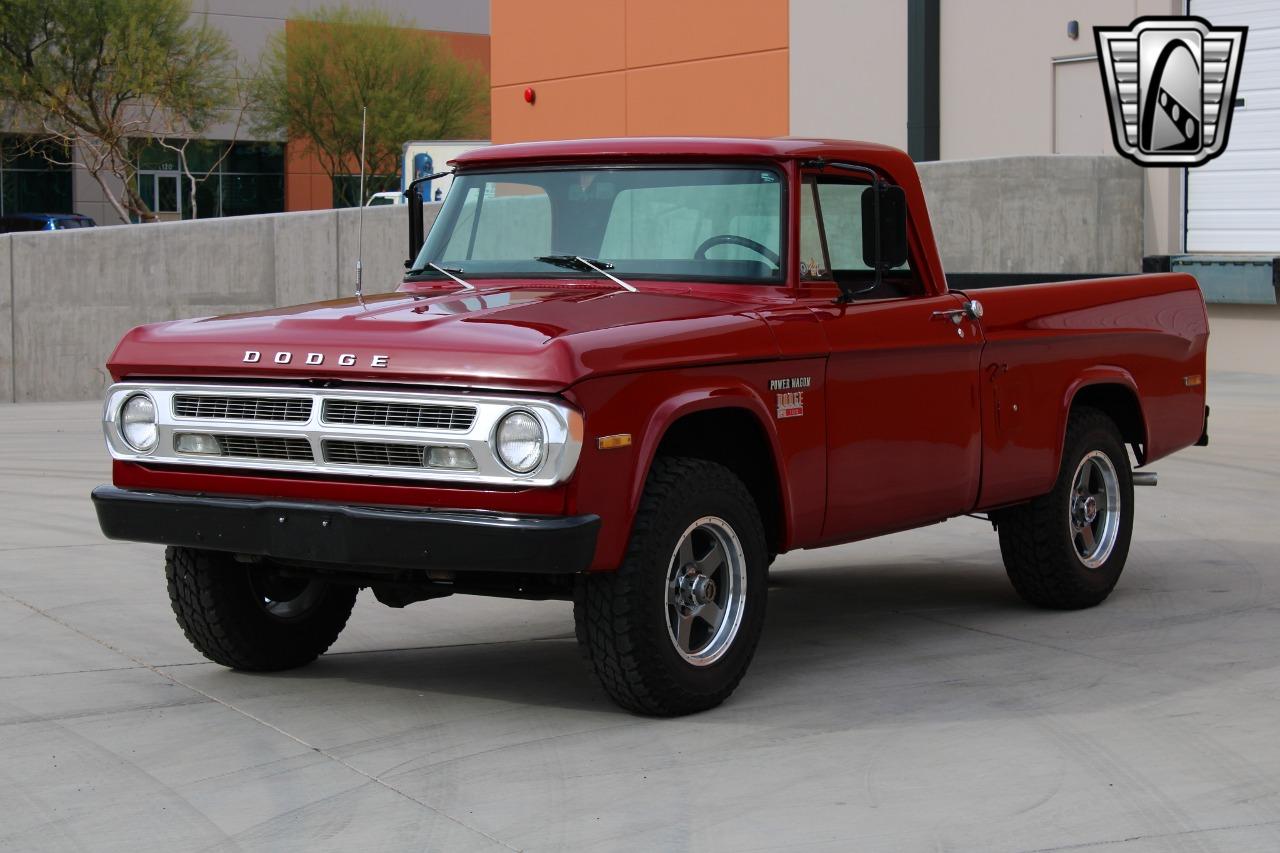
column 630, row 373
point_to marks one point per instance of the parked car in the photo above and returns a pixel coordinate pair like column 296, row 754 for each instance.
column 629, row 373
column 43, row 222
column 384, row 198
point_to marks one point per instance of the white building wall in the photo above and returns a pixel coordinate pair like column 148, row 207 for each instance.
column 848, row 70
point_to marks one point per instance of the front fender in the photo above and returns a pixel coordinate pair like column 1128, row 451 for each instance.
column 646, row 405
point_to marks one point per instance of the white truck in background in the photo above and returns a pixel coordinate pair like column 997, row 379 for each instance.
column 423, row 157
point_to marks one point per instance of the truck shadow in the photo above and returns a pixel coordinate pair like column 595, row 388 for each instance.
column 818, row 618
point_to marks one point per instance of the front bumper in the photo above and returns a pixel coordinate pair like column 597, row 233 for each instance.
column 362, row 537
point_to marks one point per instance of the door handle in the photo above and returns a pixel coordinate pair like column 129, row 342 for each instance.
column 972, row 309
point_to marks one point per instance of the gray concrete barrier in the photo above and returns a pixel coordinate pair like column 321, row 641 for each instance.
column 1059, row 214
column 67, row 297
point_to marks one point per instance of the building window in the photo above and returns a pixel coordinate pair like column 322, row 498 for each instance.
column 249, row 179
column 346, row 188
column 29, row 181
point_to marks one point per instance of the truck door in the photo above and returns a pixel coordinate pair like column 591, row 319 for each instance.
column 903, row 417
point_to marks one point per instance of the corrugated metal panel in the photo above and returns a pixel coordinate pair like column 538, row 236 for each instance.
column 1233, row 202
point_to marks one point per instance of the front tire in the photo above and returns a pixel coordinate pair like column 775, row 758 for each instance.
column 1066, row 550
column 251, row 617
column 674, row 629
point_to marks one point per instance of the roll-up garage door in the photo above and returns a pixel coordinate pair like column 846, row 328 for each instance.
column 1233, row 201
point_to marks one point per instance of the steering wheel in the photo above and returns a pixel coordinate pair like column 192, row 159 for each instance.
column 735, row 240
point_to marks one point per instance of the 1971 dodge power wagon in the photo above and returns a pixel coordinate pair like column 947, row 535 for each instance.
column 629, row 373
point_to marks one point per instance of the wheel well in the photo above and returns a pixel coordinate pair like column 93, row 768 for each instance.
column 735, row 439
column 1119, row 403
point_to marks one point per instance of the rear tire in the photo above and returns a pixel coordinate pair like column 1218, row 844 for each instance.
column 247, row 616
column 1066, row 550
column 674, row 629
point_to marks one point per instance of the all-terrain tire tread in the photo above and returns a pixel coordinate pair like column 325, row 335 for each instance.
column 606, row 618
column 1042, row 571
column 226, row 626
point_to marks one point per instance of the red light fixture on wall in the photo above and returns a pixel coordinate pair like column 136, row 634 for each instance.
column 530, row 96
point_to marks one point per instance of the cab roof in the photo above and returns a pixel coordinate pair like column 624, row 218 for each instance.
column 680, row 148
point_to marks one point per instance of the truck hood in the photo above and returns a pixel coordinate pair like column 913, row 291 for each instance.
column 534, row 335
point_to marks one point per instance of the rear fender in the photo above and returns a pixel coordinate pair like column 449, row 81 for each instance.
column 1096, row 377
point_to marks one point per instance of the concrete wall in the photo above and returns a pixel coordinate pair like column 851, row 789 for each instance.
column 74, row 293
column 67, row 297
column 1055, row 214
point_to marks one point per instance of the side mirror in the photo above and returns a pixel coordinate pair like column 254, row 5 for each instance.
column 413, row 196
column 884, row 226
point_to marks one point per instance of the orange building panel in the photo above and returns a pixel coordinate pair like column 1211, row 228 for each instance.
column 743, row 95
column 639, row 67
column 663, row 31
column 571, row 108
column 559, row 38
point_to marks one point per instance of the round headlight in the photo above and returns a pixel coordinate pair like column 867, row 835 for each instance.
column 138, row 423
column 520, row 442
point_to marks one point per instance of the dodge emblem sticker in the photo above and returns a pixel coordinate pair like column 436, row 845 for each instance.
column 790, row 401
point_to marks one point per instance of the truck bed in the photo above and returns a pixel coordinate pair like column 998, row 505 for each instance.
column 1047, row 342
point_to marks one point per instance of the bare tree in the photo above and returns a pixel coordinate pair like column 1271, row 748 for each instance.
column 177, row 135
column 92, row 75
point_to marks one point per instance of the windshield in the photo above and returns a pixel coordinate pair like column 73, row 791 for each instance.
column 662, row 222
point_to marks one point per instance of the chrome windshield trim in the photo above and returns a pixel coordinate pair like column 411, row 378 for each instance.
column 562, row 425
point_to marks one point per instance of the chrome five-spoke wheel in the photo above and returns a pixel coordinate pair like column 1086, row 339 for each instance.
column 1094, row 511
column 706, row 591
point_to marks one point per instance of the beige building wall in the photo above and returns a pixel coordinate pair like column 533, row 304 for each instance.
column 849, row 70
column 1004, row 86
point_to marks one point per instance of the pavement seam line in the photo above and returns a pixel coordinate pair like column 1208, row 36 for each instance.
column 1085, row 845
column 327, row 754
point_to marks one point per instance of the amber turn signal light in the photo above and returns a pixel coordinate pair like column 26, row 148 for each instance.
column 609, row 442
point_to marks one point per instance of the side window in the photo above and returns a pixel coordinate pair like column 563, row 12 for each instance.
column 814, row 263
column 842, row 222
column 831, row 230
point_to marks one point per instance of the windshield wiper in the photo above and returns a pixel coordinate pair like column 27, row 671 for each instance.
column 451, row 272
column 577, row 262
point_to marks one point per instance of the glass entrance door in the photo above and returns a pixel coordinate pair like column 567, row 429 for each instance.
column 161, row 191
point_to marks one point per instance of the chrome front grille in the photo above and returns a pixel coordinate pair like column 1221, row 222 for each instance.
column 378, row 453
column 265, row 447
column 279, row 409
column 398, row 415
column 335, row 432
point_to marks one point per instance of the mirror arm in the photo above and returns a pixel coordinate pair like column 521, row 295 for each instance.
column 413, row 195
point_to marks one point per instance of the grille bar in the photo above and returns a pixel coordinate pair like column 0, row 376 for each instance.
column 266, row 447
column 279, row 409
column 381, row 454
column 402, row 415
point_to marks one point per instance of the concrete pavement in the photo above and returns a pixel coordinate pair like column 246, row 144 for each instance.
column 902, row 699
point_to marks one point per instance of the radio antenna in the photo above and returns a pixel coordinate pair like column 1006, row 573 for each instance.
column 364, row 121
